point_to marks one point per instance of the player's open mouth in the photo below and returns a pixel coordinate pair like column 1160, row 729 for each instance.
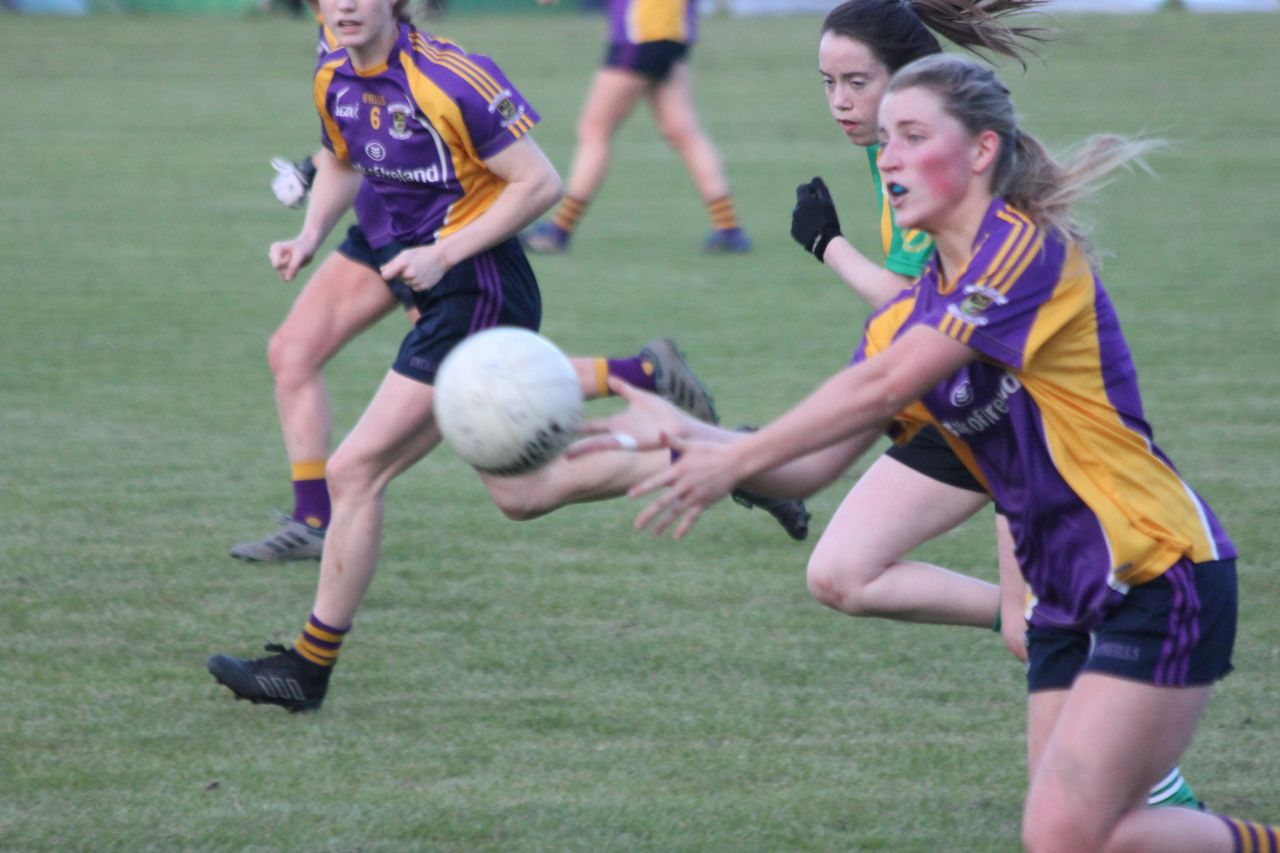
column 896, row 191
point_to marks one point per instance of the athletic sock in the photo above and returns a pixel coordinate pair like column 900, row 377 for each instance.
column 1247, row 835
column 635, row 370
column 320, row 643
column 568, row 214
column 723, row 215
column 310, row 494
column 1173, row 790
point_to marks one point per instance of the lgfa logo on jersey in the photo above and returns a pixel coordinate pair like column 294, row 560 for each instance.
column 506, row 108
column 376, row 152
column 400, row 114
column 977, row 299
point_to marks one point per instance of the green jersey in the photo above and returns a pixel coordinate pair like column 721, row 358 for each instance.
column 905, row 252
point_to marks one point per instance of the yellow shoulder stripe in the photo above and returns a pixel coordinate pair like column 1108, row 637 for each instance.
column 324, row 76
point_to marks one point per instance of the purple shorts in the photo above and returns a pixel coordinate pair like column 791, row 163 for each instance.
column 1175, row 631
column 651, row 59
column 494, row 288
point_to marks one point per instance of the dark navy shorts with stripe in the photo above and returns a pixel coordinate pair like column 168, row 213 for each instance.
column 494, row 288
column 357, row 248
column 1175, row 631
column 929, row 453
column 651, row 59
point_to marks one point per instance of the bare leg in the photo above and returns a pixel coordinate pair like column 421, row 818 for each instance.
column 857, row 566
column 595, row 477
column 340, row 300
column 677, row 118
column 1094, row 752
column 613, row 95
column 395, row 431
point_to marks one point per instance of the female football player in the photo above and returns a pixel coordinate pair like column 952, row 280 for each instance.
column 866, row 573
column 443, row 137
column 1009, row 346
column 348, row 294
column 647, row 57
column 862, row 43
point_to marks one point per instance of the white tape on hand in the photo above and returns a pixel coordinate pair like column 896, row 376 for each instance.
column 625, row 441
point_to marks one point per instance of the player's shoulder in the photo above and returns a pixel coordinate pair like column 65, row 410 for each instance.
column 1012, row 243
column 446, row 61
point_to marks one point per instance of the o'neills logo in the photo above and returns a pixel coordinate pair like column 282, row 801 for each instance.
column 341, row 110
column 985, row 417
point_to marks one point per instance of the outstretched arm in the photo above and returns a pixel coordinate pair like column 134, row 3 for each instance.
column 651, row 423
column 858, row 402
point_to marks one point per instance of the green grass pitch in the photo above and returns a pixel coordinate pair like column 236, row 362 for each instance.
column 565, row 684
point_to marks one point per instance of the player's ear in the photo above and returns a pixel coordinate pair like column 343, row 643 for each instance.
column 986, row 151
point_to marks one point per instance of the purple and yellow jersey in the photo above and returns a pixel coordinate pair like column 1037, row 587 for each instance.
column 639, row 21
column 419, row 129
column 1050, row 418
column 370, row 214
column 905, row 252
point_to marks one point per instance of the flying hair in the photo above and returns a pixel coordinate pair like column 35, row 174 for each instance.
column 901, row 31
column 1025, row 174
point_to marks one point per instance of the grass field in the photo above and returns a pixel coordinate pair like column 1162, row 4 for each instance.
column 566, row 684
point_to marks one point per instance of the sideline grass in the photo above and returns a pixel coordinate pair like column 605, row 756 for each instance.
column 565, row 684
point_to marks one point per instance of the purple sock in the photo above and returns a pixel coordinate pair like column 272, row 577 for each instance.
column 634, row 371
column 311, row 502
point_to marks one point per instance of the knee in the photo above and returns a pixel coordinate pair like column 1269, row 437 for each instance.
column 592, row 131
column 836, row 583
column 1051, row 827
column 679, row 135
column 347, row 475
column 288, row 359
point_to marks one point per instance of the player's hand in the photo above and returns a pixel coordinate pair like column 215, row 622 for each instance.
column 643, row 425
column 1013, row 630
column 703, row 474
column 814, row 222
column 291, row 182
column 289, row 256
column 421, row 267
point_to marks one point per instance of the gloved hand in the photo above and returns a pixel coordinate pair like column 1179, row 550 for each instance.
column 292, row 180
column 814, row 223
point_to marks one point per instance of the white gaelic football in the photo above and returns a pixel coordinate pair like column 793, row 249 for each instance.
column 507, row 401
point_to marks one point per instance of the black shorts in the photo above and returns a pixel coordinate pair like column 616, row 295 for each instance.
column 651, row 59
column 1175, row 631
column 929, row 453
column 357, row 248
column 494, row 288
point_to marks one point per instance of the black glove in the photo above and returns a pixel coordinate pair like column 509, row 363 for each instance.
column 814, row 223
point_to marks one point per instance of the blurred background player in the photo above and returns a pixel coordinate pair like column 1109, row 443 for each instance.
column 647, row 57
column 346, row 295
column 864, row 571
